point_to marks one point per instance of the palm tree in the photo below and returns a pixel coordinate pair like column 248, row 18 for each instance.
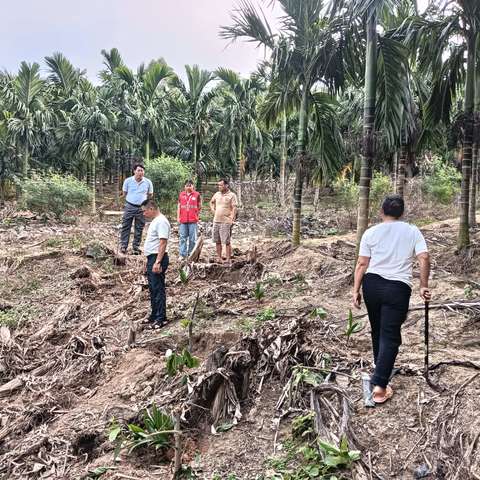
column 476, row 143
column 147, row 100
column 196, row 109
column 25, row 96
column 441, row 45
column 307, row 52
column 238, row 101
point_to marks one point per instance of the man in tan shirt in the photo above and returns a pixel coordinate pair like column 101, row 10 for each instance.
column 224, row 207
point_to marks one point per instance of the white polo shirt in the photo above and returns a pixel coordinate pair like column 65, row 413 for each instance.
column 159, row 229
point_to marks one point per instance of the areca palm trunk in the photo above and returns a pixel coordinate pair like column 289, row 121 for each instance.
column 25, row 159
column 195, row 163
column 463, row 231
column 368, row 126
column 476, row 148
column 91, row 182
column 240, row 167
column 283, row 159
column 402, row 165
column 299, row 167
column 116, row 176
column 147, row 147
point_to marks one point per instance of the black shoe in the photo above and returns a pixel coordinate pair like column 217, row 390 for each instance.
column 123, row 250
column 136, row 251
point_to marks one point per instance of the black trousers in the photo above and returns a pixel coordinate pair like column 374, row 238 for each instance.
column 387, row 305
column 156, row 285
column 132, row 213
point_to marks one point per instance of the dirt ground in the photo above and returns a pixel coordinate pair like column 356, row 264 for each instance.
column 66, row 369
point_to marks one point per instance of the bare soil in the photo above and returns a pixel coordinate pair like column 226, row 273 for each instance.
column 70, row 310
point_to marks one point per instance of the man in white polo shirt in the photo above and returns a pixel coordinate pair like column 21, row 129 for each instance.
column 136, row 189
column 155, row 249
column 384, row 270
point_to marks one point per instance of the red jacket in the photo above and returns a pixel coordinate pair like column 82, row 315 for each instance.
column 189, row 207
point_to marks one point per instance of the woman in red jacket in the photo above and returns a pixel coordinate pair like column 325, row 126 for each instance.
column 188, row 212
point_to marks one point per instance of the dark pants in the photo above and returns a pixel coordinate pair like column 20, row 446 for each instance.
column 131, row 213
column 156, row 285
column 387, row 305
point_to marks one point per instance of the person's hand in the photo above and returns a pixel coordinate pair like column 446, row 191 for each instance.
column 144, row 267
column 157, row 267
column 426, row 294
column 357, row 299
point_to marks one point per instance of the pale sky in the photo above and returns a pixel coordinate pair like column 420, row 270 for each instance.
column 181, row 31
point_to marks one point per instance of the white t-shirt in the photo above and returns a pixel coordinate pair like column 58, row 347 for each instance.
column 392, row 247
column 159, row 228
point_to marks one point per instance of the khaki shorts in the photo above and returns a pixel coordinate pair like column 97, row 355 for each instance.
column 222, row 233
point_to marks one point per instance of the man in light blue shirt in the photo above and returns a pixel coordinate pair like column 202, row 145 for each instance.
column 136, row 189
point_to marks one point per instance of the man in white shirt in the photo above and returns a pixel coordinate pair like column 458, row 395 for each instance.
column 136, row 189
column 155, row 249
column 384, row 270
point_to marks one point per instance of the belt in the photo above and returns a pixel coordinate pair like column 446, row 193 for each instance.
column 133, row 205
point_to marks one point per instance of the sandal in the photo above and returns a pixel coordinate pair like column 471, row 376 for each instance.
column 379, row 399
column 157, row 325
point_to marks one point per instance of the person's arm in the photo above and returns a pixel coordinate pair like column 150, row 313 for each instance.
column 199, row 203
column 234, row 209
column 150, row 190
column 157, row 266
column 360, row 269
column 212, row 204
column 124, row 189
column 424, row 261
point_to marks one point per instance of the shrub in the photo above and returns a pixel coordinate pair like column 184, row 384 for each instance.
column 381, row 187
column 443, row 183
column 168, row 175
column 54, row 193
column 347, row 193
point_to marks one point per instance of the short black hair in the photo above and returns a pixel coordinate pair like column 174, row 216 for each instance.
column 150, row 203
column 225, row 181
column 393, row 206
column 188, row 182
column 136, row 165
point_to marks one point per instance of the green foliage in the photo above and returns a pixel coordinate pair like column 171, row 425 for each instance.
column 183, row 275
column 468, row 292
column 304, row 461
column 259, row 291
column 266, row 315
column 381, row 187
column 318, row 312
column 9, row 318
column 347, row 193
column 155, row 432
column 303, row 425
column 352, row 326
column 168, row 175
column 97, row 473
column 306, row 376
column 442, row 184
column 54, row 193
column 177, row 362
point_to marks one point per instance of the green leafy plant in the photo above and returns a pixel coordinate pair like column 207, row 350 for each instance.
column 177, row 362
column 303, row 425
column 54, row 193
column 98, row 472
column 168, row 175
column 259, row 291
column 183, row 275
column 265, row 315
column 342, row 456
column 318, row 312
column 9, row 318
column 381, row 186
column 156, row 432
column 468, row 292
column 352, row 326
column 442, row 183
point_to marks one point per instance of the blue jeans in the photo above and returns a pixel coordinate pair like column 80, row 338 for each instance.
column 188, row 237
column 156, row 285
